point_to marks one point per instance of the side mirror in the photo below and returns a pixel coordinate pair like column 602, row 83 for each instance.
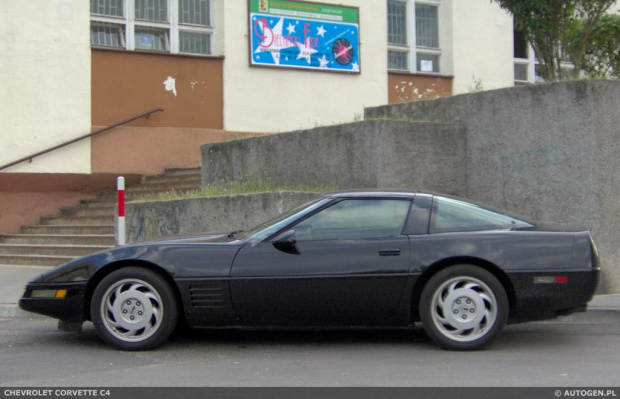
column 286, row 242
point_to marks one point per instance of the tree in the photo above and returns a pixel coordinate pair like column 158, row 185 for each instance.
column 602, row 56
column 546, row 25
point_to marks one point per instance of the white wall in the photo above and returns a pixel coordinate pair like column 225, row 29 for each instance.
column 263, row 99
column 45, row 89
column 482, row 45
column 217, row 13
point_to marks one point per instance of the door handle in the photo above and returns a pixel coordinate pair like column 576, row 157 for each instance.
column 389, row 252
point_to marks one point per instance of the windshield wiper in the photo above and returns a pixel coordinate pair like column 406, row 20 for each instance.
column 234, row 233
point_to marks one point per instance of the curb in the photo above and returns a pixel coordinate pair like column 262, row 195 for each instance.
column 591, row 316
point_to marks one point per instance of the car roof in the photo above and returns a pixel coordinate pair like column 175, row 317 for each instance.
column 376, row 193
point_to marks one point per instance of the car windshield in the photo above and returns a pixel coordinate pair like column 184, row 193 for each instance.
column 269, row 227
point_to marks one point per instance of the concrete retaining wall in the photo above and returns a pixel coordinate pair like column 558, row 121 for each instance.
column 378, row 153
column 150, row 220
column 548, row 151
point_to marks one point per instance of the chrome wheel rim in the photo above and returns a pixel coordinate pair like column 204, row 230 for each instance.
column 132, row 310
column 464, row 309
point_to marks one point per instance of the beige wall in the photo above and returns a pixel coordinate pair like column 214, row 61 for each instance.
column 274, row 100
column 149, row 150
column 481, row 45
column 45, row 90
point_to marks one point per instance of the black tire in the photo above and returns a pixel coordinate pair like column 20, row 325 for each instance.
column 463, row 307
column 134, row 309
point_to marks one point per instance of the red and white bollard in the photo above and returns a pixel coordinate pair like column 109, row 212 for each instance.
column 120, row 225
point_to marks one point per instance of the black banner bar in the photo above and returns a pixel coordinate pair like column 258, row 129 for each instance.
column 309, row 393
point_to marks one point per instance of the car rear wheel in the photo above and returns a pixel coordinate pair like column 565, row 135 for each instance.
column 463, row 307
column 134, row 309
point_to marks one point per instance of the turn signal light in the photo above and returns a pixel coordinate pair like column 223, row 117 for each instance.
column 59, row 294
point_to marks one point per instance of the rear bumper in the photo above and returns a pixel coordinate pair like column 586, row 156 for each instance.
column 69, row 308
column 539, row 301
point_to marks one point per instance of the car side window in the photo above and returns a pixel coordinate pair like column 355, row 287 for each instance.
column 451, row 215
column 355, row 219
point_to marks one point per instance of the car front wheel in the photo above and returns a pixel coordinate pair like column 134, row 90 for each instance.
column 463, row 307
column 134, row 309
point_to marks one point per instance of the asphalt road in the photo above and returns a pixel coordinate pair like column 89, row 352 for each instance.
column 35, row 353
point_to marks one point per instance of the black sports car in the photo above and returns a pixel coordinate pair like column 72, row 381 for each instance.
column 347, row 259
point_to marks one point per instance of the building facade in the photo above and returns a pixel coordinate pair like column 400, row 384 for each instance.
column 70, row 66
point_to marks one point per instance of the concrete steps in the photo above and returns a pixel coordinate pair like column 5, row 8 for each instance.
column 88, row 210
column 59, row 239
column 100, row 220
column 182, row 171
column 94, row 203
column 55, row 250
column 133, row 196
column 34, row 260
column 86, row 228
column 159, row 187
column 174, row 178
column 67, row 229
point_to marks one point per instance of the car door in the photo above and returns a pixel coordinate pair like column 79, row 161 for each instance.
column 345, row 265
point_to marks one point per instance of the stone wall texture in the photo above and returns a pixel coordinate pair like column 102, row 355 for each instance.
column 150, row 220
column 378, row 153
column 550, row 152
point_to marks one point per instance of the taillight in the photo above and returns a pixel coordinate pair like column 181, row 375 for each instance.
column 551, row 280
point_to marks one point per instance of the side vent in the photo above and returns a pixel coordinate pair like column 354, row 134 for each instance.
column 206, row 296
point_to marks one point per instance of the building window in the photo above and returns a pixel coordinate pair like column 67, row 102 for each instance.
column 522, row 63
column 171, row 26
column 194, row 17
column 152, row 10
column 526, row 66
column 418, row 23
column 112, row 8
column 109, row 35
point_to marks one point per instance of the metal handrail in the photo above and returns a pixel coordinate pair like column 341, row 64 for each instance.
column 105, row 129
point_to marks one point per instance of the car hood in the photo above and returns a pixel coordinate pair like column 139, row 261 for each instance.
column 178, row 255
column 200, row 238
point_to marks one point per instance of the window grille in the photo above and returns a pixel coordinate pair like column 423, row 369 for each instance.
column 112, row 8
column 414, row 42
column 175, row 26
column 152, row 10
column 397, row 22
column 397, row 60
column 108, row 35
column 194, row 12
column 152, row 39
column 195, row 42
column 426, row 26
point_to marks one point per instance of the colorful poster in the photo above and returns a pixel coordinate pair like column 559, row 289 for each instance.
column 296, row 34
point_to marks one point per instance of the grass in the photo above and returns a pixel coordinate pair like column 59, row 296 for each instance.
column 246, row 185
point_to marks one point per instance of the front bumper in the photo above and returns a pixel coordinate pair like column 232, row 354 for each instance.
column 69, row 308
